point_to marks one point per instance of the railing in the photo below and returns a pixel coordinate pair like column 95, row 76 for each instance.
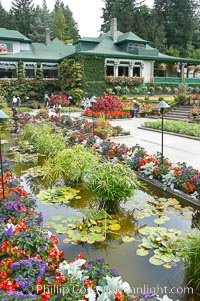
column 176, row 80
column 169, row 80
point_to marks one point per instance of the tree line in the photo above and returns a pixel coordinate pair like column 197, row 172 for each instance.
column 171, row 26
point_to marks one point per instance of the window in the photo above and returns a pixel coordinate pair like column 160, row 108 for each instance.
column 30, row 70
column 122, row 70
column 8, row 69
column 130, row 45
column 24, row 46
column 110, row 70
column 6, row 48
column 50, row 70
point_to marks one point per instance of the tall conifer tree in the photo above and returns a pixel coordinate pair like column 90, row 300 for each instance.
column 23, row 12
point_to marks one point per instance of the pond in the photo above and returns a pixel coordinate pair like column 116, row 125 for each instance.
column 137, row 270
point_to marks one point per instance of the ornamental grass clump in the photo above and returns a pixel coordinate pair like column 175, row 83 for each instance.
column 111, row 183
column 69, row 165
column 191, row 257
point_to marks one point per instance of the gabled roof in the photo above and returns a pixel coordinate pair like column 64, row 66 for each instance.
column 107, row 48
column 7, row 34
column 54, row 52
column 129, row 37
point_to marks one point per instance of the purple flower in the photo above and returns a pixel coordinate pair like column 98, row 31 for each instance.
column 114, row 272
column 100, row 259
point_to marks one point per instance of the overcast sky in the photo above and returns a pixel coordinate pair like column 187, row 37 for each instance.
column 87, row 13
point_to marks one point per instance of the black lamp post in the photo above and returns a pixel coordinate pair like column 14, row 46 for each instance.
column 92, row 101
column 2, row 117
column 162, row 105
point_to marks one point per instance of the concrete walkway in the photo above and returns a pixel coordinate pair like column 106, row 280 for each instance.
column 176, row 149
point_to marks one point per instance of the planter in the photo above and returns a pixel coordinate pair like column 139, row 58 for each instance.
column 102, row 136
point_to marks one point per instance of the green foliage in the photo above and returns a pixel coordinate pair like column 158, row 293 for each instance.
column 23, row 11
column 71, row 74
column 43, row 139
column 61, row 195
column 69, row 164
column 60, row 27
column 191, row 256
column 91, row 228
column 111, row 182
column 181, row 127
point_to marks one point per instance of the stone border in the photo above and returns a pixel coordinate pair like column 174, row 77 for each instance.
column 181, row 195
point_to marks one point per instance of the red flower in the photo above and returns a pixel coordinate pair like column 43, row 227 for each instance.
column 88, row 282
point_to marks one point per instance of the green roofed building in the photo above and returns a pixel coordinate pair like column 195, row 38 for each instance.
column 111, row 58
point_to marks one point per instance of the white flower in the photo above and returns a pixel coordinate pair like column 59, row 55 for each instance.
column 126, row 288
column 91, row 295
column 73, row 268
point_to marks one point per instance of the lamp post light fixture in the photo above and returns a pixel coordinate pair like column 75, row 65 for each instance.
column 162, row 105
column 70, row 99
column 2, row 117
column 92, row 101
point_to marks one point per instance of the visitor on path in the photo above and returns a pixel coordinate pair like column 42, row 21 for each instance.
column 87, row 104
column 14, row 101
column 46, row 101
column 18, row 101
column 137, row 109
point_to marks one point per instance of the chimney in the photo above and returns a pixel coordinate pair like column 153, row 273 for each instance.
column 47, row 36
column 113, row 29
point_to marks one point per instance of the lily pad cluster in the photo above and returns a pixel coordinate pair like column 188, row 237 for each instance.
column 165, row 244
column 90, row 229
column 160, row 207
column 58, row 195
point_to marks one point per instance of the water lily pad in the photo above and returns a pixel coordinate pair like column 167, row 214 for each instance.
column 187, row 216
column 96, row 229
column 128, row 239
column 142, row 252
column 155, row 261
column 66, row 240
column 161, row 220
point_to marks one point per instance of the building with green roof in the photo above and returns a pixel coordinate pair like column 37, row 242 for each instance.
column 114, row 55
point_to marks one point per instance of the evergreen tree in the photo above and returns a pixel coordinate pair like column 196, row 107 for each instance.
column 107, row 12
column 71, row 27
column 42, row 21
column 23, row 12
column 60, row 26
column 4, row 17
column 177, row 17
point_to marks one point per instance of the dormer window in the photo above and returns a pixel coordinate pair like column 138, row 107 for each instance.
column 130, row 45
column 24, row 46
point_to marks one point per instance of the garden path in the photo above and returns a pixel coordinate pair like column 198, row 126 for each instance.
column 177, row 149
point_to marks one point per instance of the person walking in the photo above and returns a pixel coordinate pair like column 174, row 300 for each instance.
column 14, row 101
column 46, row 101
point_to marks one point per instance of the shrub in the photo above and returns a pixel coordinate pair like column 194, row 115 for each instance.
column 191, row 257
column 111, row 183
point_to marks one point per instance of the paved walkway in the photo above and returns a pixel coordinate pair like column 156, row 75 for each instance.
column 177, row 149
